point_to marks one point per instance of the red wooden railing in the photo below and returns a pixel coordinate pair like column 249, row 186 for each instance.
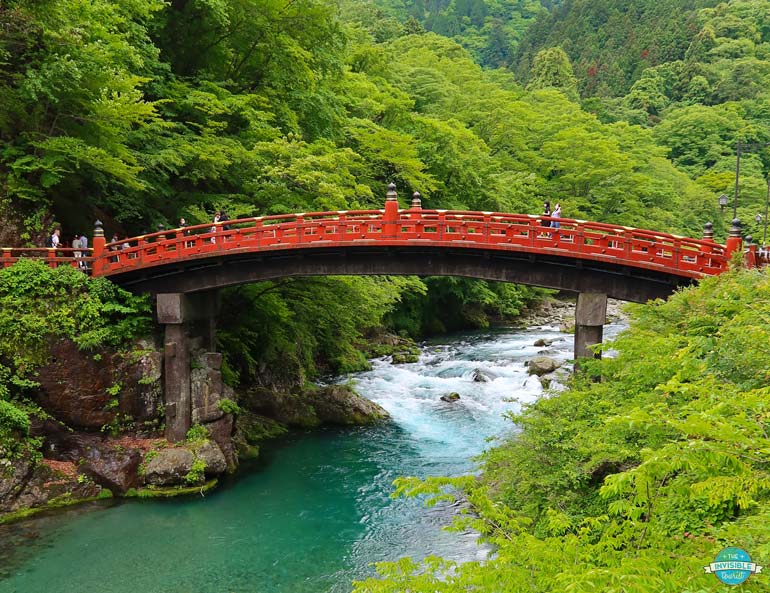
column 594, row 241
column 64, row 256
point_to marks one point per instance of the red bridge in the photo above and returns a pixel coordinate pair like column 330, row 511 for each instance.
column 184, row 268
column 624, row 263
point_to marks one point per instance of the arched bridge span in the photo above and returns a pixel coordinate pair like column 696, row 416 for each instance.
column 624, row 263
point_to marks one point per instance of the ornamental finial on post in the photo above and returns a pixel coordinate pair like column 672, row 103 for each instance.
column 735, row 228
column 98, row 230
column 391, row 195
column 416, row 201
column 708, row 232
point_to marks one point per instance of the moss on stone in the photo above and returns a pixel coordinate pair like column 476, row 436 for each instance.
column 170, row 491
column 65, row 500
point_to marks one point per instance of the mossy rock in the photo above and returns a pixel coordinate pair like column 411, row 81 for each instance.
column 405, row 357
column 65, row 500
column 252, row 429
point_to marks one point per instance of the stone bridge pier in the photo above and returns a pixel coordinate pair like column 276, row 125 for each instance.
column 590, row 315
column 189, row 322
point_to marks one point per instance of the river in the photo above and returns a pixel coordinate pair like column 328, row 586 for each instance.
column 314, row 511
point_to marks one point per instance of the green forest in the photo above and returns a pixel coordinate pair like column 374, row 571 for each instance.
column 140, row 112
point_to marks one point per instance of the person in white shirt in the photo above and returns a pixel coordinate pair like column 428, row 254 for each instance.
column 556, row 214
column 76, row 250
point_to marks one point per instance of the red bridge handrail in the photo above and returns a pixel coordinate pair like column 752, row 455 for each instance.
column 596, row 241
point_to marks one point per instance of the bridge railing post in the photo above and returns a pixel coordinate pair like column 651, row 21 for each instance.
column 535, row 227
column 342, row 224
column 734, row 241
column 390, row 216
column 750, row 253
column 97, row 254
column 300, row 226
column 708, row 237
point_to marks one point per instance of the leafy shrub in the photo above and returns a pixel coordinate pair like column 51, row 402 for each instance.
column 197, row 472
column 197, row 433
column 13, row 418
column 228, row 406
column 40, row 305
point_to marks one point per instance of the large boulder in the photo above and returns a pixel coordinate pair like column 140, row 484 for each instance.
column 541, row 365
column 291, row 409
column 340, row 404
column 116, row 469
column 169, row 466
column 221, row 432
column 212, row 456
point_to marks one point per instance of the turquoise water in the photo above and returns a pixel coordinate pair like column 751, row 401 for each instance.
column 315, row 511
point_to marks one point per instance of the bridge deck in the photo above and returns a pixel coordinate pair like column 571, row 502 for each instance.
column 591, row 241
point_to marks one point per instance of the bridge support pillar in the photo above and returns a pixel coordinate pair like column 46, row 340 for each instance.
column 187, row 319
column 590, row 315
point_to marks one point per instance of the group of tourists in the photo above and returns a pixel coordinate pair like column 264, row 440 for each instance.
column 556, row 213
column 80, row 241
column 79, row 246
column 219, row 217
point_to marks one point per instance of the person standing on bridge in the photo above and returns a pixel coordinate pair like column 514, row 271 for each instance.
column 556, row 214
column 84, row 247
column 55, row 240
column 546, row 212
column 214, row 228
column 76, row 249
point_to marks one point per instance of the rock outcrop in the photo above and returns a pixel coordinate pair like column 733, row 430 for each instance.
column 27, row 484
column 87, row 391
column 541, row 365
column 266, row 413
column 333, row 404
column 116, row 470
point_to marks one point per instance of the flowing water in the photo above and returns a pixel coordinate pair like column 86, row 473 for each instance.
column 315, row 511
